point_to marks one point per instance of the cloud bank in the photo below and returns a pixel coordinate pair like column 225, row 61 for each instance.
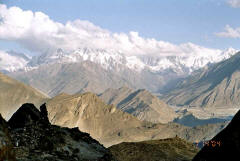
column 229, row 32
column 36, row 32
column 234, row 3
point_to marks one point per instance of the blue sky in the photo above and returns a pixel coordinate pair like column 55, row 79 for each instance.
column 174, row 21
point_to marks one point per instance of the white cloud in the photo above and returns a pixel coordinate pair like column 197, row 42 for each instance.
column 11, row 63
column 234, row 3
column 230, row 32
column 37, row 32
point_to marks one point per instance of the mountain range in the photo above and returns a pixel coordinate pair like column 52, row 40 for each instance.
column 105, row 123
column 12, row 61
column 213, row 86
column 96, row 70
column 112, row 60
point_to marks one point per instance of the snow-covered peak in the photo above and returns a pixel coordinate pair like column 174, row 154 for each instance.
column 183, row 64
column 115, row 60
column 108, row 59
column 12, row 61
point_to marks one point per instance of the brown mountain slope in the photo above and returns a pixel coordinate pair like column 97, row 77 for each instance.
column 13, row 94
column 91, row 115
column 111, row 126
column 174, row 149
column 139, row 103
column 115, row 96
column 215, row 86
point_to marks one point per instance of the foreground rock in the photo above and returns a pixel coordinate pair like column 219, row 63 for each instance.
column 224, row 146
column 34, row 138
column 6, row 147
column 174, row 149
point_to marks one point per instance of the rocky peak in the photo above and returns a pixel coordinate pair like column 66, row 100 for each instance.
column 26, row 114
column 44, row 113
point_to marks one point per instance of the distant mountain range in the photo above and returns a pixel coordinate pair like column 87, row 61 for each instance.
column 12, row 61
column 113, row 60
column 213, row 86
column 96, row 70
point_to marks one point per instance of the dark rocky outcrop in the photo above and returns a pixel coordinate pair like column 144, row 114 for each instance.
column 225, row 146
column 34, row 138
column 27, row 114
column 6, row 147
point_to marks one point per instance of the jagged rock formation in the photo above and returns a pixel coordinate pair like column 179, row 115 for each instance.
column 13, row 94
column 173, row 149
column 34, row 138
column 139, row 103
column 224, row 146
column 214, row 86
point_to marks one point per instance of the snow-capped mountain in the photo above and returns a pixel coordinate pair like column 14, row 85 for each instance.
column 96, row 70
column 110, row 59
column 113, row 60
column 11, row 61
column 186, row 64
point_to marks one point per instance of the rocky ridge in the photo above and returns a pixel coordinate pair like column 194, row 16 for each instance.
column 140, row 103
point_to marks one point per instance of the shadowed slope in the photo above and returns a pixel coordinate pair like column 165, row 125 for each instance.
column 224, row 146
